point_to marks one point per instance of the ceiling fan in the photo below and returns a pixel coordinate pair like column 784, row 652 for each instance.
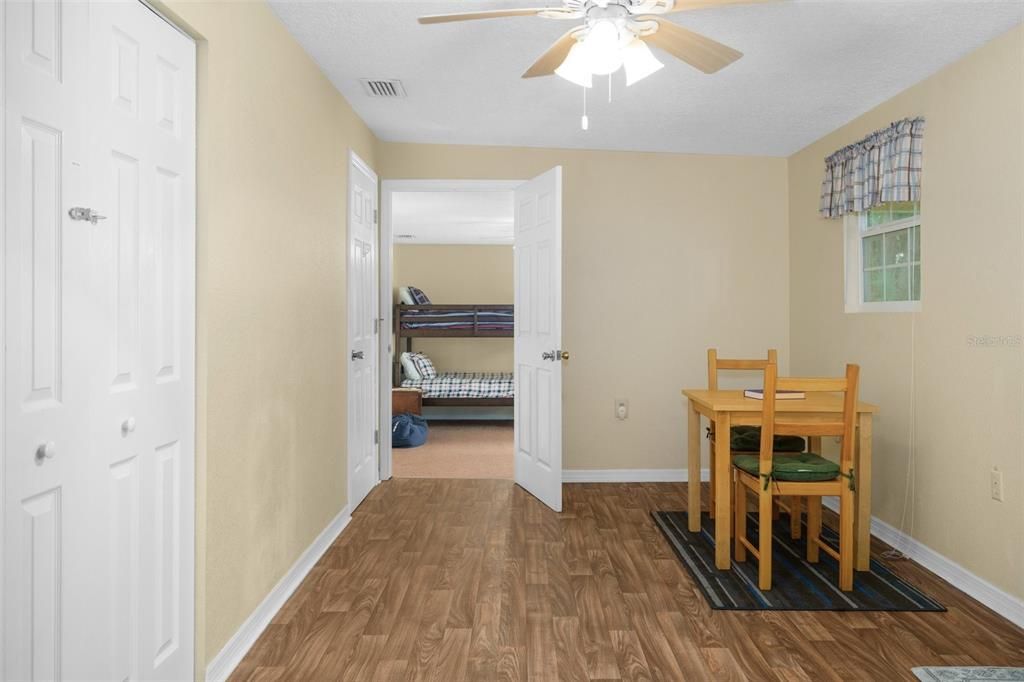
column 616, row 34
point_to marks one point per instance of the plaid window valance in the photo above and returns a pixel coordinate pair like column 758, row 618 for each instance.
column 885, row 166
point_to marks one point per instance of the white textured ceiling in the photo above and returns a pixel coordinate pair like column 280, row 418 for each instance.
column 809, row 67
column 452, row 217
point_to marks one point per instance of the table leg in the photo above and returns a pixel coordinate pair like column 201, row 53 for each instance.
column 693, row 469
column 723, row 493
column 862, row 474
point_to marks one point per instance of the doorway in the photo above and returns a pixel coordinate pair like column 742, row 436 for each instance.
column 98, row 310
column 453, row 300
column 462, row 363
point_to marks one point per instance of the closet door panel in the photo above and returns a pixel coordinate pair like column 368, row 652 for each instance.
column 47, row 531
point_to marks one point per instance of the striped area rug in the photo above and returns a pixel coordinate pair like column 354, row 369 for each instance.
column 796, row 584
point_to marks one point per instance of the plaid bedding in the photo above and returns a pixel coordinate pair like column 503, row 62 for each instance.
column 457, row 313
column 465, row 385
column 488, row 320
column 493, row 326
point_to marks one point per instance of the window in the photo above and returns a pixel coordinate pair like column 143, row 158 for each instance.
column 883, row 259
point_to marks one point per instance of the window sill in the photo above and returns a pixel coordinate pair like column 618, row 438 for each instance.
column 885, row 307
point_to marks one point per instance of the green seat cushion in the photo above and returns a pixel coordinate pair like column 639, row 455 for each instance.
column 802, row 466
column 748, row 439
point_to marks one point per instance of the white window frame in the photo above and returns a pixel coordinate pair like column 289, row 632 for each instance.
column 853, row 263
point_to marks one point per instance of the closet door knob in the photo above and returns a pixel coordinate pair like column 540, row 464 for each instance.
column 128, row 425
column 46, row 451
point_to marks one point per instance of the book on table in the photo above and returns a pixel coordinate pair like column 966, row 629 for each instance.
column 758, row 394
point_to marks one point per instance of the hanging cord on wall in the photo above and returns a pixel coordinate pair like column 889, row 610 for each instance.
column 909, row 488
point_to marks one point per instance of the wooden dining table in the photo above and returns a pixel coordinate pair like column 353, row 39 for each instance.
column 726, row 409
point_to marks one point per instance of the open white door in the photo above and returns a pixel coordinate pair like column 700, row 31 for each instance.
column 538, row 337
column 362, row 331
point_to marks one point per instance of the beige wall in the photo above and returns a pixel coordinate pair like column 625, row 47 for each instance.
column 459, row 273
column 273, row 146
column 663, row 255
column 968, row 414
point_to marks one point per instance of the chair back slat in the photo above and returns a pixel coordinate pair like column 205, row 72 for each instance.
column 742, row 364
column 768, row 419
column 812, row 384
column 850, row 416
column 803, row 429
column 716, row 363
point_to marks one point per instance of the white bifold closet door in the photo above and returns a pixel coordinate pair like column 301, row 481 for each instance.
column 98, row 414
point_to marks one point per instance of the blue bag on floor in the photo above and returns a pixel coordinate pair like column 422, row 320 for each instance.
column 408, row 431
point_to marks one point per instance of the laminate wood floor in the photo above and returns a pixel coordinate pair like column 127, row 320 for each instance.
column 476, row 580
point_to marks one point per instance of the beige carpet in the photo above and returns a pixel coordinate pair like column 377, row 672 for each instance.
column 459, row 449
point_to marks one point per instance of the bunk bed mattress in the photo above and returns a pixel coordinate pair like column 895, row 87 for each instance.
column 465, row 385
column 486, row 320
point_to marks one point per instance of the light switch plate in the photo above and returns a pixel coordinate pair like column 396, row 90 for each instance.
column 997, row 485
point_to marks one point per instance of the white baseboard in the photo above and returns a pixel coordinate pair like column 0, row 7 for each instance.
column 1006, row 605
column 224, row 663
column 629, row 475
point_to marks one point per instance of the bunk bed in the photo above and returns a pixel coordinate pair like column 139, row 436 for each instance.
column 455, row 389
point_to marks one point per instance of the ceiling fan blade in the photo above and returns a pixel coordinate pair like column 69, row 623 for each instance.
column 687, row 5
column 696, row 50
column 553, row 58
column 548, row 12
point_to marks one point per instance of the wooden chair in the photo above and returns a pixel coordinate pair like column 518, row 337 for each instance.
column 793, row 506
column 769, row 474
column 715, row 364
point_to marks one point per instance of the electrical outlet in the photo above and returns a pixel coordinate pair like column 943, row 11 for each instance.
column 996, row 483
column 621, row 409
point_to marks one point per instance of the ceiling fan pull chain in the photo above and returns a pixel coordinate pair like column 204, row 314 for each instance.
column 584, row 121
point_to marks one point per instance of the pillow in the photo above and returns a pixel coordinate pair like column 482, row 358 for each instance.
column 404, row 297
column 418, row 296
column 424, row 366
column 409, row 367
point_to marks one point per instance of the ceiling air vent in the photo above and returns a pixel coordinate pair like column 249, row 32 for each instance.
column 382, row 88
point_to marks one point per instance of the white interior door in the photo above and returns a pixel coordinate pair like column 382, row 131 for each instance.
column 99, row 538
column 538, row 337
column 363, row 327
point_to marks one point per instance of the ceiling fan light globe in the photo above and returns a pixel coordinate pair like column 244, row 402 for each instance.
column 574, row 68
column 639, row 62
column 603, row 48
